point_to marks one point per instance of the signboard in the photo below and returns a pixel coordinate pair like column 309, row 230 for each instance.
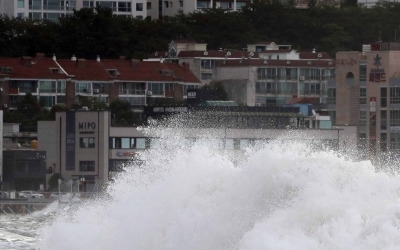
column 377, row 74
column 372, row 104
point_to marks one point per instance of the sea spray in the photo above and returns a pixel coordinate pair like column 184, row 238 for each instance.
column 281, row 195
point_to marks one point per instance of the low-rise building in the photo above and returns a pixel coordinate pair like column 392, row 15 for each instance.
column 65, row 81
column 83, row 144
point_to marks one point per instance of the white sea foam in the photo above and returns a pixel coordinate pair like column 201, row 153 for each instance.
column 282, row 196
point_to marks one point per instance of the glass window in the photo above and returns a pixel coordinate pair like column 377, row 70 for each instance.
column 124, row 7
column 35, row 4
column 140, row 143
column 86, row 166
column 127, row 143
column 229, row 144
column 363, row 72
column 383, row 97
column 363, row 95
column 394, row 95
column 139, row 6
column 244, row 143
column 47, row 86
column 21, row 4
column 88, row 4
column 87, row 142
column 156, row 88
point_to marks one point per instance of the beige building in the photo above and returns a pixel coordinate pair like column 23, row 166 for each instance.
column 368, row 96
column 83, row 144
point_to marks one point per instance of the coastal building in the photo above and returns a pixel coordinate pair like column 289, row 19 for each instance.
column 83, row 144
column 69, row 81
column 309, row 78
column 24, row 169
column 367, row 96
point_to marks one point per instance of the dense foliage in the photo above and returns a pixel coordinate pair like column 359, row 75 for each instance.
column 89, row 32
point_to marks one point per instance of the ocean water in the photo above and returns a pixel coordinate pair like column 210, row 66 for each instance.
column 283, row 195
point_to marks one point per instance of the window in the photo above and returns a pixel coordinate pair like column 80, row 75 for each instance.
column 86, row 166
column 266, row 73
column 108, row 4
column 266, row 88
column 363, row 72
column 35, row 15
column 383, row 97
column 169, row 87
column 208, row 64
column 394, row 95
column 139, row 6
column 140, row 143
column 202, row 4
column 21, row 4
column 87, row 142
column 229, row 144
column 124, row 7
column 156, row 88
column 88, row 4
column 363, row 118
column 206, row 76
column 395, row 118
column 122, row 143
column 244, row 143
column 35, row 4
column 383, row 119
column 51, row 5
column 331, row 96
column 363, row 95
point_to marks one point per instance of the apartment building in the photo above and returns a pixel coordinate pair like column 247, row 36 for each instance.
column 368, row 96
column 53, row 9
column 65, row 81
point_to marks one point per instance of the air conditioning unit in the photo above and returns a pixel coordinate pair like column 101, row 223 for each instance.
column 149, row 93
column 96, row 90
column 302, row 78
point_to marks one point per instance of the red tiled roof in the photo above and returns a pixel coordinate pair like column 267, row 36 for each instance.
column 32, row 68
column 92, row 70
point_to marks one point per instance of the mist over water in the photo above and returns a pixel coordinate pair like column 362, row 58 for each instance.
column 280, row 196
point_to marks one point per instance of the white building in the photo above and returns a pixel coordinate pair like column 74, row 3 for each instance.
column 54, row 9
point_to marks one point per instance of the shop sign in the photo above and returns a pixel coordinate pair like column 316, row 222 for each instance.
column 126, row 153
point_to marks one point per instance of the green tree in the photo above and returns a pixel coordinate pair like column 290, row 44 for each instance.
column 122, row 114
column 53, row 181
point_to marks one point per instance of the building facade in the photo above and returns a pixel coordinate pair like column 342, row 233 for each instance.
column 367, row 93
column 68, row 81
column 53, row 9
column 83, row 144
column 276, row 82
